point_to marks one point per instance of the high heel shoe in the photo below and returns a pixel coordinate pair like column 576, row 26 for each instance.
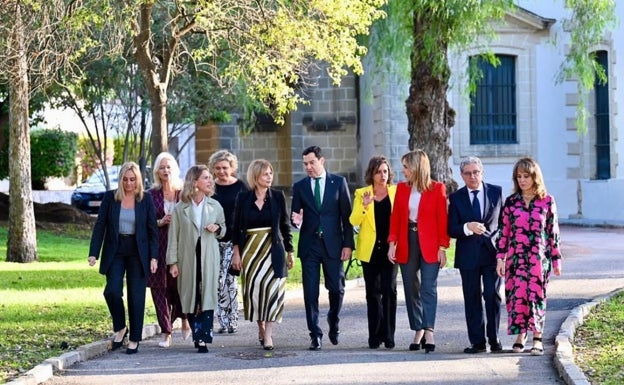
column 133, row 351
column 417, row 345
column 268, row 345
column 166, row 341
column 427, row 346
column 116, row 345
column 186, row 333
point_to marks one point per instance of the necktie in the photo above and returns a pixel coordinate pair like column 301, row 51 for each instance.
column 317, row 192
column 476, row 207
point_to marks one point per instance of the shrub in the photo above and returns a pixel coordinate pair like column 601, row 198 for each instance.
column 53, row 154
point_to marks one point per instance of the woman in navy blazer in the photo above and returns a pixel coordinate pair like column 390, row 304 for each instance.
column 126, row 233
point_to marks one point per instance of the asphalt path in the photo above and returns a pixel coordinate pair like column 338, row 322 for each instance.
column 593, row 266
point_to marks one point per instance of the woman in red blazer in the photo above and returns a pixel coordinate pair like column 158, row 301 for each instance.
column 418, row 240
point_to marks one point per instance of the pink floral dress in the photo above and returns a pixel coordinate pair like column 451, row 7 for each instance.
column 529, row 240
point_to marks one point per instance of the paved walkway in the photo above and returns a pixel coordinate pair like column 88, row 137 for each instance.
column 593, row 266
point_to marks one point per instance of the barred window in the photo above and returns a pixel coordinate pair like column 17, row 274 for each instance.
column 493, row 106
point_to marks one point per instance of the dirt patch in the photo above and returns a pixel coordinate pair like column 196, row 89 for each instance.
column 55, row 217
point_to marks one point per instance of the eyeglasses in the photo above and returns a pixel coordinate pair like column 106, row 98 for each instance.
column 471, row 173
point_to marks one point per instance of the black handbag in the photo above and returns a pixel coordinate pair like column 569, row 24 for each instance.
column 233, row 271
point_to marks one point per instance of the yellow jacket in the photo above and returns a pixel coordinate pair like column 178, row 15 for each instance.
column 365, row 219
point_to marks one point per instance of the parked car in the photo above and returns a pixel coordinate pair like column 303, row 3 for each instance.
column 88, row 196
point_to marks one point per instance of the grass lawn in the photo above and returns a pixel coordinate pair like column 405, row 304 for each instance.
column 56, row 304
column 599, row 343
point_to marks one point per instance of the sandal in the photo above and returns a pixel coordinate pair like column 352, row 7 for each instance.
column 537, row 351
column 518, row 347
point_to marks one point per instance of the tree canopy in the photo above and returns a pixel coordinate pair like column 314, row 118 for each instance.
column 263, row 48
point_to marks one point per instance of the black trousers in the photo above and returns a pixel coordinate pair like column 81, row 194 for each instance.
column 381, row 295
column 126, row 262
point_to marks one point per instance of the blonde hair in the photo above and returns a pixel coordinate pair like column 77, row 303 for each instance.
column 175, row 180
column 418, row 162
column 220, row 156
column 138, row 189
column 530, row 166
column 255, row 169
column 188, row 191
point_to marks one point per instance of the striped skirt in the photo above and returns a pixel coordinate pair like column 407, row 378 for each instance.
column 263, row 292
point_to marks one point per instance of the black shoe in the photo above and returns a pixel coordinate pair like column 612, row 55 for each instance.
column 316, row 343
column 496, row 347
column 232, row 330
column 475, row 348
column 116, row 345
column 334, row 336
column 373, row 344
column 389, row 344
column 268, row 347
column 202, row 349
column 133, row 351
column 428, row 347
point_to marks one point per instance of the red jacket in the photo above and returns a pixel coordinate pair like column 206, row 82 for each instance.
column 432, row 222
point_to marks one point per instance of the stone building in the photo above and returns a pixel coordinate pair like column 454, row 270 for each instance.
column 582, row 171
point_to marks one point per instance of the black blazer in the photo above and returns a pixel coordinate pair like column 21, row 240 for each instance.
column 469, row 249
column 280, row 227
column 106, row 231
column 333, row 216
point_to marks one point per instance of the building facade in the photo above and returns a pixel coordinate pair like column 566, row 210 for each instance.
column 520, row 109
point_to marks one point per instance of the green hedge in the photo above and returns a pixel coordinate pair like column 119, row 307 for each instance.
column 52, row 154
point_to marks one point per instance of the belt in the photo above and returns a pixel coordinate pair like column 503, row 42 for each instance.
column 126, row 235
column 412, row 226
column 319, row 234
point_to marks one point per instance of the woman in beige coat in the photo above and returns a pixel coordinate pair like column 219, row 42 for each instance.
column 193, row 252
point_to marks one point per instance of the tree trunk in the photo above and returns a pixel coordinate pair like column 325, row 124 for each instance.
column 429, row 115
column 158, row 107
column 156, row 85
column 22, row 236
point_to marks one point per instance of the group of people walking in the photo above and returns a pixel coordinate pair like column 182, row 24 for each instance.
column 189, row 240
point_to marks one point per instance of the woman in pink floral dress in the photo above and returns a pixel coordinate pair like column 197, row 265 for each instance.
column 528, row 251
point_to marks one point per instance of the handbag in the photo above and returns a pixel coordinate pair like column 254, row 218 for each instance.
column 233, row 271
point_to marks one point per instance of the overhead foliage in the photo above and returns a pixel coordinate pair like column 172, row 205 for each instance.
column 264, row 48
column 590, row 19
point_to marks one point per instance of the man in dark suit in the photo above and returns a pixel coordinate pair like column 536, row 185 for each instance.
column 473, row 221
column 321, row 205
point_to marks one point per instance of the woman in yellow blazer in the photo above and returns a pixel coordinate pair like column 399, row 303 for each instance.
column 372, row 207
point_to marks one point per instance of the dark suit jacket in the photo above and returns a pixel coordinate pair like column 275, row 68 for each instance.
column 106, row 231
column 280, row 227
column 333, row 217
column 469, row 249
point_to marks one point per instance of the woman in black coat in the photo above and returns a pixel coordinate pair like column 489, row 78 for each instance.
column 263, row 249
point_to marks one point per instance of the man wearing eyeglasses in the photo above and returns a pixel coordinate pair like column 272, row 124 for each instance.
column 473, row 221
